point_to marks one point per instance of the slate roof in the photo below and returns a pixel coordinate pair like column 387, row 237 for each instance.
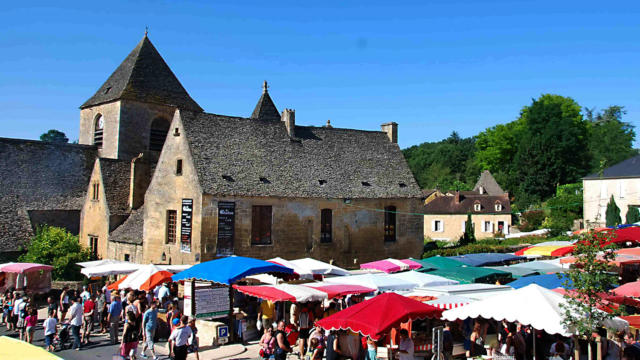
column 318, row 162
column 144, row 76
column 130, row 232
column 489, row 183
column 624, row 169
column 36, row 175
column 116, row 178
column 447, row 204
column 265, row 108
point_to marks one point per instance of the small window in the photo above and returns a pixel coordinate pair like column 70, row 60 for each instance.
column 322, row 182
column 126, row 257
column 261, row 225
column 106, row 91
column 172, row 216
column 390, row 223
column 438, row 226
column 264, row 180
column 402, row 185
column 487, row 226
column 98, row 129
column 93, row 246
column 477, row 207
column 95, row 191
column 176, row 132
column 498, row 206
column 179, row 167
column 325, row 225
column 228, row 178
column 366, row 183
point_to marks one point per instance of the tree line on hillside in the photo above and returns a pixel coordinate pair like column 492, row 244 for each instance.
column 553, row 142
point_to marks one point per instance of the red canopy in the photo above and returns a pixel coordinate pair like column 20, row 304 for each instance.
column 611, row 301
column 340, row 290
column 631, row 233
column 301, row 293
column 629, row 289
column 377, row 316
column 114, row 286
column 633, row 320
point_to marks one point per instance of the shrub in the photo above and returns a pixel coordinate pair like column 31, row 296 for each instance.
column 531, row 220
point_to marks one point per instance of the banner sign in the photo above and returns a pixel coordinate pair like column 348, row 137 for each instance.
column 226, row 227
column 185, row 225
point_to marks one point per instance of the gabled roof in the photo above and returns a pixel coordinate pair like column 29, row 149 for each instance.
column 116, row 177
column 489, row 183
column 447, row 204
column 37, row 175
column 265, row 108
column 624, row 169
column 144, row 76
column 130, row 232
column 232, row 154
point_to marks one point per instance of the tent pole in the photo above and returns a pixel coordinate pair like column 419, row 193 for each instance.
column 534, row 343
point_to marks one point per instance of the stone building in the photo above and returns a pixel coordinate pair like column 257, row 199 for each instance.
column 156, row 179
column 446, row 216
column 622, row 181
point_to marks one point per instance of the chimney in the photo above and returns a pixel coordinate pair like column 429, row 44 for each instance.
column 289, row 118
column 391, row 129
column 457, row 198
column 140, row 179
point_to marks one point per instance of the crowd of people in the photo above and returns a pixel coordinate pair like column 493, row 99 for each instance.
column 79, row 312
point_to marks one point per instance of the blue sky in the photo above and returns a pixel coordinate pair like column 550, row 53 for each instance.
column 432, row 66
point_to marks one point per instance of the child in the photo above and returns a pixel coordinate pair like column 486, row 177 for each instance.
column 30, row 323
column 129, row 337
column 193, row 343
column 315, row 351
column 50, row 330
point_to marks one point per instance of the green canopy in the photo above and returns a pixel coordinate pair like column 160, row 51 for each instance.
column 470, row 274
column 515, row 271
column 438, row 262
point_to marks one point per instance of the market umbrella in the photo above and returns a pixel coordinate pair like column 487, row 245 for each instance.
column 229, row 270
column 110, row 269
column 391, row 265
column 283, row 292
column 376, row 316
column 531, row 305
column 339, row 290
column 146, row 278
column 547, row 281
column 515, row 272
column 301, row 272
column 449, row 301
column 541, row 266
column 10, row 348
column 471, row 274
column 114, row 285
column 318, row 267
column 439, row 262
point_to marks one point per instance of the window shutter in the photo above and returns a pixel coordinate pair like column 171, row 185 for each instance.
column 442, row 226
column 433, row 225
column 464, row 226
column 492, row 227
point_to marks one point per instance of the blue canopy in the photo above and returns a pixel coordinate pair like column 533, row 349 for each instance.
column 549, row 281
column 486, row 259
column 230, row 269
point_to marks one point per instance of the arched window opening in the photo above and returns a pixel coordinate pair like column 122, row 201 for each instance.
column 98, row 128
column 158, row 133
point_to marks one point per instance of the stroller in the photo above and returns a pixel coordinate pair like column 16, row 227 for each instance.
column 61, row 341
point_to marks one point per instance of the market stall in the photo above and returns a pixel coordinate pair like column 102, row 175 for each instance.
column 301, row 293
column 35, row 277
column 423, row 279
column 391, row 265
column 318, row 267
column 486, row 259
column 468, row 275
column 146, row 278
column 547, row 281
column 380, row 282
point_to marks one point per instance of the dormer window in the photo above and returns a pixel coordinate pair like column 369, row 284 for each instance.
column 322, row 182
column 477, row 206
column 228, row 178
column 498, row 206
column 402, row 185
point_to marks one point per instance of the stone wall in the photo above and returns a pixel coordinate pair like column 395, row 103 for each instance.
column 110, row 138
column 596, row 195
column 94, row 219
column 117, row 250
column 454, row 225
column 135, row 123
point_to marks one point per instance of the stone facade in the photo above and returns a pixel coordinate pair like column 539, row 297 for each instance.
column 452, row 225
column 94, row 218
column 124, row 251
column 597, row 193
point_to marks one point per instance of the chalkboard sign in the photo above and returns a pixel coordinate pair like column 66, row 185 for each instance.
column 185, row 228
column 226, row 227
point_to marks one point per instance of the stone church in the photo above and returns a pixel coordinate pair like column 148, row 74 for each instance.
column 157, row 179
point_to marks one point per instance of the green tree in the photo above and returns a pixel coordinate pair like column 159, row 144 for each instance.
column 591, row 276
column 633, row 215
column 610, row 139
column 550, row 151
column 59, row 248
column 496, row 147
column 469, row 235
column 564, row 208
column 613, row 213
column 54, row 136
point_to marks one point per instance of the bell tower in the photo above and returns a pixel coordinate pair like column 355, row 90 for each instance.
column 131, row 112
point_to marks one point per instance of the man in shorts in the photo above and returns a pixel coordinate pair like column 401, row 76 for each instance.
column 89, row 308
column 50, row 331
column 150, row 324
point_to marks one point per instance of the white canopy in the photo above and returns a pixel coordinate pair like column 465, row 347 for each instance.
column 380, row 282
column 138, row 277
column 531, row 305
column 174, row 268
column 318, row 267
column 94, row 263
column 450, row 301
column 422, row 279
column 304, row 272
column 110, row 269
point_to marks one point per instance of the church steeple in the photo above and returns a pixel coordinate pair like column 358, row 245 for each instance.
column 144, row 76
column 265, row 109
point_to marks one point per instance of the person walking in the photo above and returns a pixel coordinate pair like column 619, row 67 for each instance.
column 89, row 308
column 30, row 323
column 150, row 324
column 266, row 313
column 129, row 337
column 85, row 294
column 75, row 315
column 50, row 330
column 64, row 303
column 115, row 311
column 282, row 343
column 179, row 340
column 52, row 306
column 406, row 346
